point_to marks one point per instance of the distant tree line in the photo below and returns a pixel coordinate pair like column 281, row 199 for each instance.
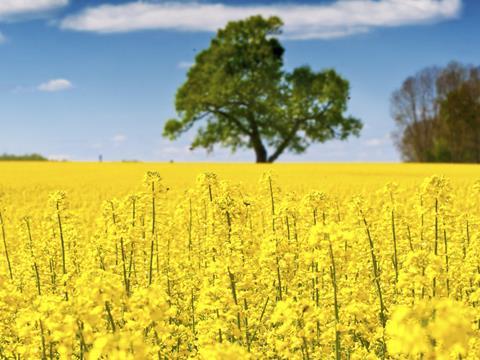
column 437, row 113
column 26, row 157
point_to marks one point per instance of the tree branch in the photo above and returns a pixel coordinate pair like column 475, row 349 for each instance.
column 296, row 126
column 252, row 132
column 232, row 119
column 286, row 141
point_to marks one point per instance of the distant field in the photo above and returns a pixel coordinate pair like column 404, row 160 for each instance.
column 115, row 178
column 239, row 261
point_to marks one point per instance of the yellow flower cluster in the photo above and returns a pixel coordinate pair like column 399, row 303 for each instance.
column 219, row 270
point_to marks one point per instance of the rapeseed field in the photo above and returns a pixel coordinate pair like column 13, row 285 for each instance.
column 217, row 261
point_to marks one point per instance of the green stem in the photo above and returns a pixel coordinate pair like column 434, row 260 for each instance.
column 62, row 243
column 446, row 260
column 395, row 257
column 110, row 317
column 280, row 296
column 233, row 287
column 435, row 249
column 333, row 275
column 273, row 202
column 42, row 334
column 190, row 219
column 247, row 332
column 376, row 275
column 124, row 266
column 193, row 313
column 150, row 271
column 260, row 319
column 153, row 208
column 6, row 247
column 37, row 277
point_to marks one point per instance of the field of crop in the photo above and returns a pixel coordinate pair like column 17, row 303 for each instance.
column 175, row 261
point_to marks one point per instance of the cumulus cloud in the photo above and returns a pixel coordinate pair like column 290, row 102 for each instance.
column 14, row 8
column 313, row 21
column 55, row 85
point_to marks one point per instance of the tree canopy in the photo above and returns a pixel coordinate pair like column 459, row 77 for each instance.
column 237, row 95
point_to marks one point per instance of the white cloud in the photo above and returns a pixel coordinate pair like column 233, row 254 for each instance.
column 59, row 157
column 378, row 141
column 20, row 89
column 185, row 64
column 15, row 8
column 96, row 146
column 119, row 139
column 176, row 150
column 3, row 38
column 322, row 21
column 55, row 85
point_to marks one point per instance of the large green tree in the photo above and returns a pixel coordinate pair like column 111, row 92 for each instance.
column 237, row 95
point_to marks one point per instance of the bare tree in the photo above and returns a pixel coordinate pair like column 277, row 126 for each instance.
column 414, row 109
column 437, row 113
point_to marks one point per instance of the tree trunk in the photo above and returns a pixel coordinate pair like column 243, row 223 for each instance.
column 258, row 147
column 261, row 154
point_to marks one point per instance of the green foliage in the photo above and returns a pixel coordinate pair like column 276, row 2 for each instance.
column 26, row 157
column 241, row 97
column 440, row 152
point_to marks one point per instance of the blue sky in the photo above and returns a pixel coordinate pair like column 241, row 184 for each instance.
column 83, row 78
